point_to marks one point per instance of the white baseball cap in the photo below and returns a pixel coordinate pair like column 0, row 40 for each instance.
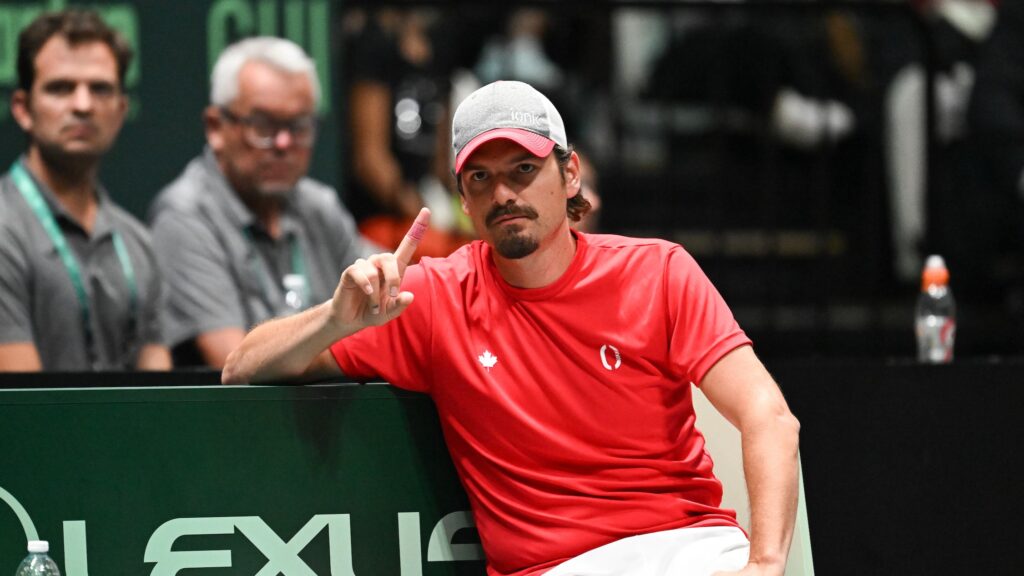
column 509, row 110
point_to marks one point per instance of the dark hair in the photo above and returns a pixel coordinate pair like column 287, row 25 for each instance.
column 78, row 27
column 575, row 207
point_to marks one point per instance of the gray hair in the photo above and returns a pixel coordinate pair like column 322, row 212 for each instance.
column 277, row 52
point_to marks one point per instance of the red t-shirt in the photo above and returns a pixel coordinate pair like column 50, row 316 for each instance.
column 566, row 409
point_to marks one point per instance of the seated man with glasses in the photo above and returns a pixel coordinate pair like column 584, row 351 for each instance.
column 242, row 235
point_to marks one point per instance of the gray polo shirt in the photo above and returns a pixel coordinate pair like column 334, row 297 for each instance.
column 224, row 270
column 38, row 302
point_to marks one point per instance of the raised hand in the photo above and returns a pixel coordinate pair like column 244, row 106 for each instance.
column 368, row 293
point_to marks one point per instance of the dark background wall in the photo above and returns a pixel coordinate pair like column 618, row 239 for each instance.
column 799, row 239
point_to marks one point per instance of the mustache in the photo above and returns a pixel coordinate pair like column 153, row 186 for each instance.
column 79, row 123
column 510, row 210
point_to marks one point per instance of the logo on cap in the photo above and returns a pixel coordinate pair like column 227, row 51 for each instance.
column 526, row 118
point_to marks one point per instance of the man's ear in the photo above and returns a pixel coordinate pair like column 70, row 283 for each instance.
column 573, row 182
column 124, row 104
column 122, row 109
column 213, row 122
column 21, row 110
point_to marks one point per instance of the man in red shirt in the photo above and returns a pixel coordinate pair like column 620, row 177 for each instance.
column 561, row 365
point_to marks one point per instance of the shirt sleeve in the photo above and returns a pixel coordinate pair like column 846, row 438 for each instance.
column 398, row 352
column 702, row 328
column 201, row 295
column 15, row 318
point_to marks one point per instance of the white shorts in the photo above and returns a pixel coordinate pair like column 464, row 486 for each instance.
column 679, row 552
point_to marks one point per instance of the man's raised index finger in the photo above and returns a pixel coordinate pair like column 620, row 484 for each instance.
column 407, row 248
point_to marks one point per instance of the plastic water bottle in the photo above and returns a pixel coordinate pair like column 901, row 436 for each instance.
column 38, row 563
column 936, row 314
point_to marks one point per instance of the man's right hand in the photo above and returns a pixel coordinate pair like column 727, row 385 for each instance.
column 294, row 346
column 368, row 293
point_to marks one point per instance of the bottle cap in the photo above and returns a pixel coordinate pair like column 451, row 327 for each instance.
column 935, row 261
column 935, row 272
column 38, row 546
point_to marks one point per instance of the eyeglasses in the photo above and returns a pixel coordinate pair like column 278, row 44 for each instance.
column 260, row 131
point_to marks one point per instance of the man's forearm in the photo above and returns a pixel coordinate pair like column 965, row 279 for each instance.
column 19, row 357
column 770, row 464
column 284, row 347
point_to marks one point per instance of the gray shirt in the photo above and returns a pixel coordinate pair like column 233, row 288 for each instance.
column 38, row 302
column 222, row 267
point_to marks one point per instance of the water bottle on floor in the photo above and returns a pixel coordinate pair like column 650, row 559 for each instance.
column 38, row 563
column 936, row 314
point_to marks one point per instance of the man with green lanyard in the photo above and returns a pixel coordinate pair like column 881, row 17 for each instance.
column 242, row 235
column 79, row 288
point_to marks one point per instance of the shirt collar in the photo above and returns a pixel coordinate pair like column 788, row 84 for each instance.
column 102, row 227
column 237, row 212
column 533, row 294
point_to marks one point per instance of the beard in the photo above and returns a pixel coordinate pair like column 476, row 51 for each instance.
column 69, row 162
column 274, row 190
column 260, row 175
column 513, row 243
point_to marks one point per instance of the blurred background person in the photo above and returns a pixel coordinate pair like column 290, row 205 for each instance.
column 552, row 51
column 519, row 53
column 399, row 65
column 242, row 234
column 79, row 287
column 927, row 209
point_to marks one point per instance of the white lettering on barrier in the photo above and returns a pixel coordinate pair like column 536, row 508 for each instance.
column 76, row 561
column 441, row 549
column 282, row 557
column 169, row 562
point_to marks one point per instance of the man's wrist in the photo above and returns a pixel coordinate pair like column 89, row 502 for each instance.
column 332, row 328
column 769, row 564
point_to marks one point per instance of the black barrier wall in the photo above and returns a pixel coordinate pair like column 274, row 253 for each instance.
column 910, row 469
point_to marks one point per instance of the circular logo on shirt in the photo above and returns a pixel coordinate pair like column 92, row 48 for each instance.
column 610, row 357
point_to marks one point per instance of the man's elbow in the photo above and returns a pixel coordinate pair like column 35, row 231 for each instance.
column 232, row 372
column 789, row 426
column 774, row 419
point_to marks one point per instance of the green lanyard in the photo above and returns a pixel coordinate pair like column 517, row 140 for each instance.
column 298, row 267
column 27, row 186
